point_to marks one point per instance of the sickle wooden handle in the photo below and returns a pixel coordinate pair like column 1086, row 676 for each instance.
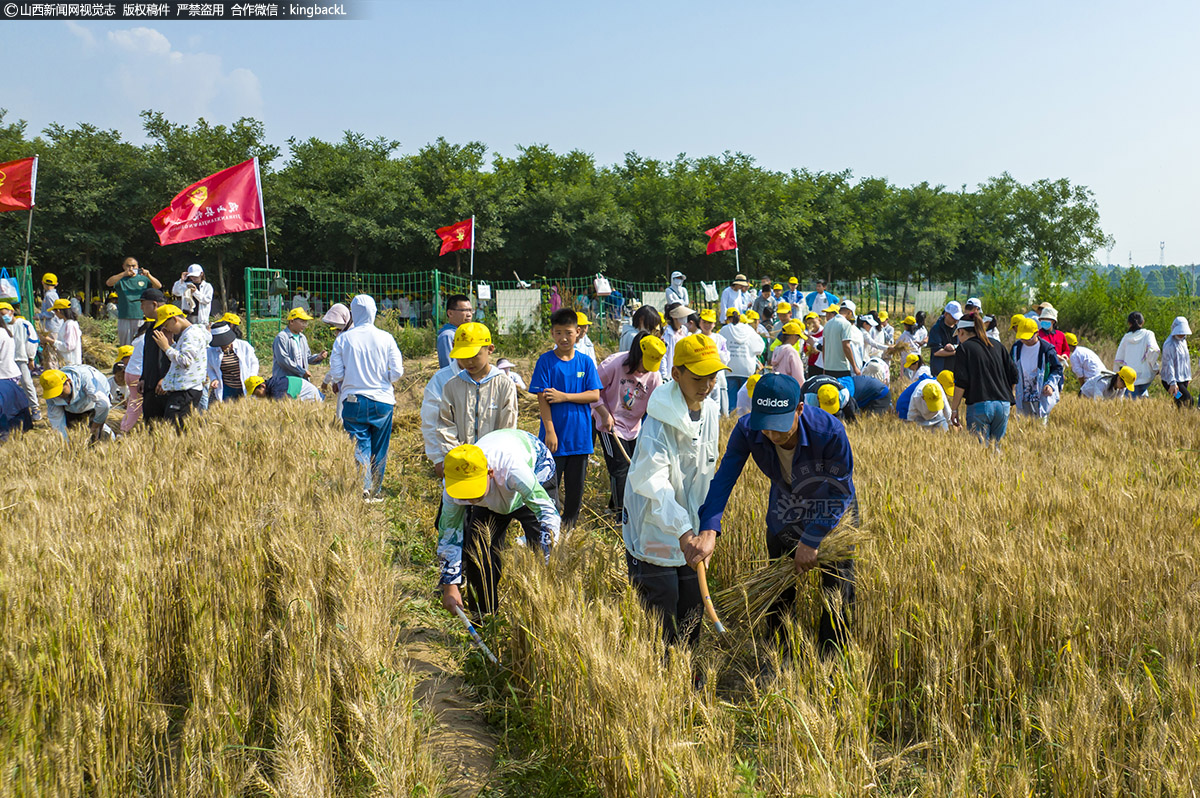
column 709, row 609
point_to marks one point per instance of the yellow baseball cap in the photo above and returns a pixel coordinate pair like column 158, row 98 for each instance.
column 731, row 312
column 61, row 304
column 698, row 354
column 298, row 313
column 252, row 384
column 653, row 351
column 912, row 358
column 112, row 295
column 812, row 314
column 708, row 314
column 1026, row 328
column 794, row 328
column 52, row 383
column 466, row 470
column 832, row 309
column 830, row 399
column 469, row 338
column 124, row 351
column 1127, row 375
column 783, row 307
column 231, row 318
column 933, row 396
column 777, row 287
column 883, row 315
column 1072, row 339
column 750, row 383
column 1015, row 321
column 752, row 315
column 793, row 281
column 5, row 306
column 909, row 320
column 165, row 312
column 946, row 379
column 50, row 278
column 582, row 319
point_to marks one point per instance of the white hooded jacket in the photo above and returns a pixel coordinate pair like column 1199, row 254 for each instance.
column 365, row 359
column 745, row 345
column 673, row 464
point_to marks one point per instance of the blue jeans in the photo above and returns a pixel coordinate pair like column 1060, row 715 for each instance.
column 989, row 420
column 1139, row 391
column 369, row 424
column 733, row 385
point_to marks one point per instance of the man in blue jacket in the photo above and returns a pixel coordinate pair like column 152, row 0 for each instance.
column 806, row 455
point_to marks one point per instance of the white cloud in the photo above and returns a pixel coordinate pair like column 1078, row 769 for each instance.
column 83, row 34
column 147, row 72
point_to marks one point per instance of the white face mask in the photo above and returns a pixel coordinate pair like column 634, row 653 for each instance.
column 676, row 281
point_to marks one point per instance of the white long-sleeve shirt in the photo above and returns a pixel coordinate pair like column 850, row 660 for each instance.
column 431, row 403
column 365, row 359
column 203, row 299
column 247, row 365
column 70, row 343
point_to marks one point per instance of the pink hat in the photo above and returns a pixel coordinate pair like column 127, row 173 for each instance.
column 337, row 316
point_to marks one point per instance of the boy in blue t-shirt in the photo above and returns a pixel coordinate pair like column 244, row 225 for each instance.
column 566, row 384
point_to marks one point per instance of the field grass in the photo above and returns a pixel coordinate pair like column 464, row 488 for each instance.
column 202, row 614
column 218, row 614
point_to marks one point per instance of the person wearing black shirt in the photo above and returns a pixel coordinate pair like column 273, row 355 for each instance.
column 155, row 363
column 984, row 376
column 942, row 341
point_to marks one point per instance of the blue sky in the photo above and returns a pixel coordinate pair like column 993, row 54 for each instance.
column 1102, row 93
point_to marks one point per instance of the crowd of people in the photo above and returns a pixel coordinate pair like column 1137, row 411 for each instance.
column 793, row 368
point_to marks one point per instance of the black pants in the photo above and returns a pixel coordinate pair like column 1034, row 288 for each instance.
column 1185, row 396
column 833, row 631
column 179, row 404
column 671, row 593
column 484, row 539
column 153, row 405
column 569, row 473
column 618, row 467
column 836, row 374
column 812, row 371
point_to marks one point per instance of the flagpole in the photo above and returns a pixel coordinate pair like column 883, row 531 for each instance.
column 29, row 235
column 472, row 287
column 737, row 256
column 263, row 211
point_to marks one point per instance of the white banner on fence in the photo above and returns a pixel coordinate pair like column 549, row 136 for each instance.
column 656, row 299
column 932, row 302
column 517, row 309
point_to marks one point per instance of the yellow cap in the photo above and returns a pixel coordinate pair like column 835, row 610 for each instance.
column 830, row 399
column 793, row 281
column 783, row 307
column 812, row 314
column 50, row 278
column 60, row 304
column 252, row 384
column 909, row 320
column 912, row 358
column 1072, row 339
column 777, row 287
column 52, row 383
column 1127, row 375
column 653, row 351
column 752, row 315
column 708, row 314
column 933, row 396
column 469, row 338
column 731, row 312
column 946, row 380
column 466, row 470
column 124, row 351
column 165, row 312
column 112, row 295
column 1026, row 328
column 698, row 354
column 883, row 315
column 832, row 309
column 231, row 318
column 794, row 328
column 298, row 313
column 582, row 319
column 750, row 383
column 1015, row 321
column 5, row 306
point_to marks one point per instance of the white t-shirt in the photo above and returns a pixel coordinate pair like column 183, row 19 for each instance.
column 1030, row 372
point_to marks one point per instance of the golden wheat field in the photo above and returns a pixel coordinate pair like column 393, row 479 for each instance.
column 214, row 614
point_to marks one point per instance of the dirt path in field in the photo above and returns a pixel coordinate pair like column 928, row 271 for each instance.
column 462, row 740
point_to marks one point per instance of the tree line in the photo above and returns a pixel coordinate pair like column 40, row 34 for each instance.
column 364, row 204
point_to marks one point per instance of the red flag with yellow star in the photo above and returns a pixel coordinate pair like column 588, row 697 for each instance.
column 721, row 238
column 18, row 181
column 460, row 235
column 229, row 201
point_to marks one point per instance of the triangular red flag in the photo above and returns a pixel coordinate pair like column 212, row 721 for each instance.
column 721, row 237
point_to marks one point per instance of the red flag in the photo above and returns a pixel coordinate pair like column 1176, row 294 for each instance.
column 18, row 181
column 460, row 235
column 228, row 202
column 721, row 238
